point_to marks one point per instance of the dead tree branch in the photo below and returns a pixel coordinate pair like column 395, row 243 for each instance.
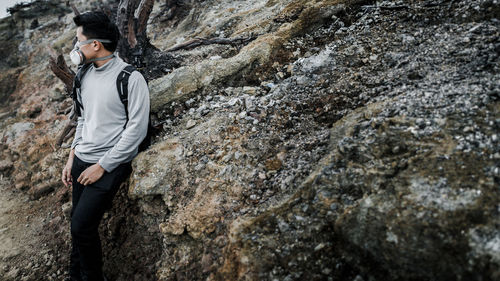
column 142, row 15
column 390, row 8
column 62, row 71
column 67, row 132
column 132, row 20
column 59, row 67
column 75, row 10
column 202, row 41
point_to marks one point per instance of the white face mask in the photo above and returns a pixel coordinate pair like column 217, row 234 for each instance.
column 77, row 57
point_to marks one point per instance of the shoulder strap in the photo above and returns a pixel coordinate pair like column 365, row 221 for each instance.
column 77, row 86
column 122, row 87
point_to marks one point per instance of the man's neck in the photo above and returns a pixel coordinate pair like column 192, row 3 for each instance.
column 100, row 63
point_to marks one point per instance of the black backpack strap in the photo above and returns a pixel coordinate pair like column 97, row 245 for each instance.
column 77, row 87
column 122, row 87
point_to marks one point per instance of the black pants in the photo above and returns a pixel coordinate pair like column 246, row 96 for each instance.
column 89, row 204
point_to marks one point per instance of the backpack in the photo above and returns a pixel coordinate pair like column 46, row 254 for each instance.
column 122, row 87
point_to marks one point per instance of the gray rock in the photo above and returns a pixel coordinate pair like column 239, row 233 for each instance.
column 190, row 124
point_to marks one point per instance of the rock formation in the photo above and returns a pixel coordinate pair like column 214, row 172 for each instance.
column 345, row 140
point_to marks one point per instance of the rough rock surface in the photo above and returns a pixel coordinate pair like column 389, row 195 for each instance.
column 348, row 140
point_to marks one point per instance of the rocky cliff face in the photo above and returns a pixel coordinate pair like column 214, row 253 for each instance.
column 341, row 140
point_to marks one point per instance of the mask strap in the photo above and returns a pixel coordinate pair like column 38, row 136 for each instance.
column 88, row 41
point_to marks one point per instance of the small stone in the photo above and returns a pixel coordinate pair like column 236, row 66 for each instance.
column 206, row 262
column 189, row 102
column 283, row 226
column 202, row 108
column 319, row 247
column 249, row 90
column 273, row 164
column 468, row 129
column 440, row 121
column 249, row 104
column 396, row 149
column 227, row 157
column 190, row 124
column 237, row 155
column 233, row 101
column 5, row 165
column 334, row 206
column 358, row 278
column 420, row 123
column 268, row 85
column 199, row 167
column 326, row 271
column 66, row 209
column 22, row 176
column 39, row 191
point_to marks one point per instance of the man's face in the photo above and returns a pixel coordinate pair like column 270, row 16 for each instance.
column 87, row 48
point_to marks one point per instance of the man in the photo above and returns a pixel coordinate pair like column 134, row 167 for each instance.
column 105, row 140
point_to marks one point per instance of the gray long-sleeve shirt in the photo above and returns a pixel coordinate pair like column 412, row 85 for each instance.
column 100, row 136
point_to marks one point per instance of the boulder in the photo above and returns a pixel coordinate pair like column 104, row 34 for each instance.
column 39, row 190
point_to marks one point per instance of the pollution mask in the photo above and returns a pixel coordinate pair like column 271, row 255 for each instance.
column 77, row 57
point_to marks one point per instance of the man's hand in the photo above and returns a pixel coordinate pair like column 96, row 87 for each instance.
column 66, row 173
column 91, row 174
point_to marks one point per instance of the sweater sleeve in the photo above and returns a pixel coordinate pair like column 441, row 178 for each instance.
column 78, row 133
column 137, row 126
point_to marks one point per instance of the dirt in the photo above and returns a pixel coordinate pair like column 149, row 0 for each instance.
column 19, row 240
column 26, row 232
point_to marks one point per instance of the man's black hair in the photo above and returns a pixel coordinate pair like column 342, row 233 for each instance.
column 96, row 25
